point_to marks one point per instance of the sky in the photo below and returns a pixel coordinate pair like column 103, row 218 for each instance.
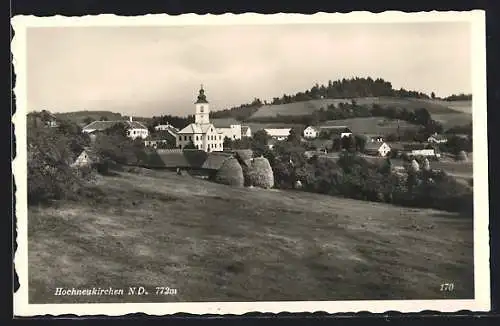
column 145, row 71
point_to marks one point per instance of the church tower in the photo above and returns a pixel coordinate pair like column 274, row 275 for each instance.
column 202, row 108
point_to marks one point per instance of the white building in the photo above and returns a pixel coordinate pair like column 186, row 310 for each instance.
column 423, row 152
column 135, row 129
column 246, row 131
column 167, row 127
column 311, row 132
column 201, row 133
column 377, row 148
column 232, row 132
column 278, row 133
column 437, row 139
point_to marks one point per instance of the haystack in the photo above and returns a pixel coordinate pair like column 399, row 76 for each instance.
column 462, row 156
column 230, row 173
column 426, row 165
column 260, row 173
column 413, row 167
column 243, row 154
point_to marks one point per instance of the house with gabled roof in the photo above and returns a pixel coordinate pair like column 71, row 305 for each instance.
column 278, row 133
column 377, row 148
column 437, row 139
column 88, row 157
column 311, row 132
column 135, row 129
column 246, row 131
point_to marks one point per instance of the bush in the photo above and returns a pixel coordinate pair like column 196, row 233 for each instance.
column 260, row 173
column 461, row 156
column 230, row 173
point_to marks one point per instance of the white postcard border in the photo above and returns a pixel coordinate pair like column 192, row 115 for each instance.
column 480, row 173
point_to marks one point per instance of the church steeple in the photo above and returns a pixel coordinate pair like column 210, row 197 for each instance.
column 201, row 96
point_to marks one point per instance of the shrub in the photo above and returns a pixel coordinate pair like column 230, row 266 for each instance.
column 230, row 173
column 245, row 166
column 461, row 156
column 426, row 166
column 260, row 173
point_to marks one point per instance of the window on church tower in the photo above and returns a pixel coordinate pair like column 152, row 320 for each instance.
column 201, row 108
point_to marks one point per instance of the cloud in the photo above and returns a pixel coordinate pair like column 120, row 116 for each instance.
column 155, row 70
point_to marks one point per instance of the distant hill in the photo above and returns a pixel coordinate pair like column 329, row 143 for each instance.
column 80, row 117
column 308, row 107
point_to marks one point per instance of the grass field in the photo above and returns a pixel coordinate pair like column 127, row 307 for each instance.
column 216, row 243
column 373, row 125
column 308, row 107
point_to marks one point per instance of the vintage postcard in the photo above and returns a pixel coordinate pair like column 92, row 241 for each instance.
column 225, row 164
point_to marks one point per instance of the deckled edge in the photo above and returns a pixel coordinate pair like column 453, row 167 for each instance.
column 21, row 306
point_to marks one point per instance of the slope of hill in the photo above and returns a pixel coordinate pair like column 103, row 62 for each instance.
column 79, row 116
column 308, row 107
column 216, row 243
column 373, row 125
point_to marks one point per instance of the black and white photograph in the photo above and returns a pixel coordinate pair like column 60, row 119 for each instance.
column 238, row 163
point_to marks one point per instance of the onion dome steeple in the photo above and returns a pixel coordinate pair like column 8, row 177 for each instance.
column 201, row 96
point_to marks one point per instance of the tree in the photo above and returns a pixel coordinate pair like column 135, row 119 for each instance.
column 228, row 143
column 360, row 142
column 103, row 118
column 190, row 145
column 88, row 120
column 294, row 136
column 433, row 95
column 348, row 143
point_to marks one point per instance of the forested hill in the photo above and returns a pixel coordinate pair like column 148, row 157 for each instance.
column 343, row 90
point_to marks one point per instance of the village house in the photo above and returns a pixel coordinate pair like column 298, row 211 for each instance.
column 377, row 149
column 87, row 158
column 166, row 127
column 437, row 139
column 135, row 129
column 311, row 132
column 246, row 131
column 202, row 134
column 413, row 149
column 229, row 128
column 165, row 136
column 278, row 133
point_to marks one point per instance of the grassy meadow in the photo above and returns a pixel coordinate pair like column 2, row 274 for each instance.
column 308, row 107
column 217, row 243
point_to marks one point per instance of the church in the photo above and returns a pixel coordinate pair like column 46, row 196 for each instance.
column 201, row 133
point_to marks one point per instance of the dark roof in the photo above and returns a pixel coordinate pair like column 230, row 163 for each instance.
column 201, row 96
column 224, row 122
column 168, row 158
column 335, row 128
column 215, row 160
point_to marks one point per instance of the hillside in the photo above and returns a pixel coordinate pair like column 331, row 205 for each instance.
column 308, row 107
column 216, row 243
column 79, row 117
column 373, row 125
